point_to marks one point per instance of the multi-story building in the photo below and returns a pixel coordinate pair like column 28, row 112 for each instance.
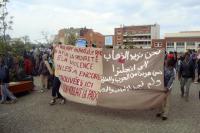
column 137, row 36
column 179, row 42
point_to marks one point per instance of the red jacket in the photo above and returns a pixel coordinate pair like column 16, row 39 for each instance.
column 27, row 66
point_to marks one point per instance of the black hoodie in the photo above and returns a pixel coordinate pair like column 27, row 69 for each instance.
column 4, row 79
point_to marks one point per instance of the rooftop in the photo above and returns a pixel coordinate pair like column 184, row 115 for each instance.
column 193, row 34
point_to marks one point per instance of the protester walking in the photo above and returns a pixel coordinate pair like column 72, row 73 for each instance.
column 56, row 86
column 169, row 77
column 186, row 75
column 198, row 69
column 4, row 80
column 43, row 72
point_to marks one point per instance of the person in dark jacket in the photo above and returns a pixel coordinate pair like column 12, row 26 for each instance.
column 198, row 70
column 186, row 75
column 169, row 77
column 56, row 85
column 4, row 80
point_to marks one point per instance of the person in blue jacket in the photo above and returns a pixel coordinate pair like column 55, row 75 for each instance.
column 4, row 80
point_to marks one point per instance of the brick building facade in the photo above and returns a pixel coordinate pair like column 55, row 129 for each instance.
column 92, row 37
column 137, row 36
column 158, row 43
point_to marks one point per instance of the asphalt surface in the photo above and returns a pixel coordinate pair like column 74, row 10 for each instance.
column 33, row 114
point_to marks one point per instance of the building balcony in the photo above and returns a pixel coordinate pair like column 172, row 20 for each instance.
column 144, row 46
column 137, row 34
column 180, row 46
column 137, row 40
column 142, row 40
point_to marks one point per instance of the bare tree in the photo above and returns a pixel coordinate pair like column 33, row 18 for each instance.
column 71, row 39
column 5, row 23
column 25, row 39
column 47, row 37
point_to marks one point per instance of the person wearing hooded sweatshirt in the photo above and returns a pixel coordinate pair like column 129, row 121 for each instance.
column 4, row 80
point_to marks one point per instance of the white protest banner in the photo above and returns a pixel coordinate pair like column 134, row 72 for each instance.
column 80, row 71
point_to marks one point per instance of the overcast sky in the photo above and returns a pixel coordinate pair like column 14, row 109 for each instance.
column 33, row 16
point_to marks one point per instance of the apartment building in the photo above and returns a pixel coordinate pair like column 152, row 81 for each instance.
column 137, row 36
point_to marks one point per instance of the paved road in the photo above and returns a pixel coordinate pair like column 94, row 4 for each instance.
column 32, row 114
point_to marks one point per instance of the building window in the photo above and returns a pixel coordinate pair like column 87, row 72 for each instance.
column 158, row 44
column 180, row 44
column 170, row 44
column 180, row 49
column 118, row 32
column 190, row 44
column 170, row 49
column 118, row 38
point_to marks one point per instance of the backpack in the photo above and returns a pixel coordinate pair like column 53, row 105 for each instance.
column 2, row 72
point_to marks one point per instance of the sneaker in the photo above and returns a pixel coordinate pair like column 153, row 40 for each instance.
column 164, row 118
column 3, row 102
column 158, row 114
column 62, row 101
column 53, row 102
column 13, row 101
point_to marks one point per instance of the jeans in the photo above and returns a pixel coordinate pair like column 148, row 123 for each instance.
column 56, row 86
column 6, row 93
column 185, row 86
